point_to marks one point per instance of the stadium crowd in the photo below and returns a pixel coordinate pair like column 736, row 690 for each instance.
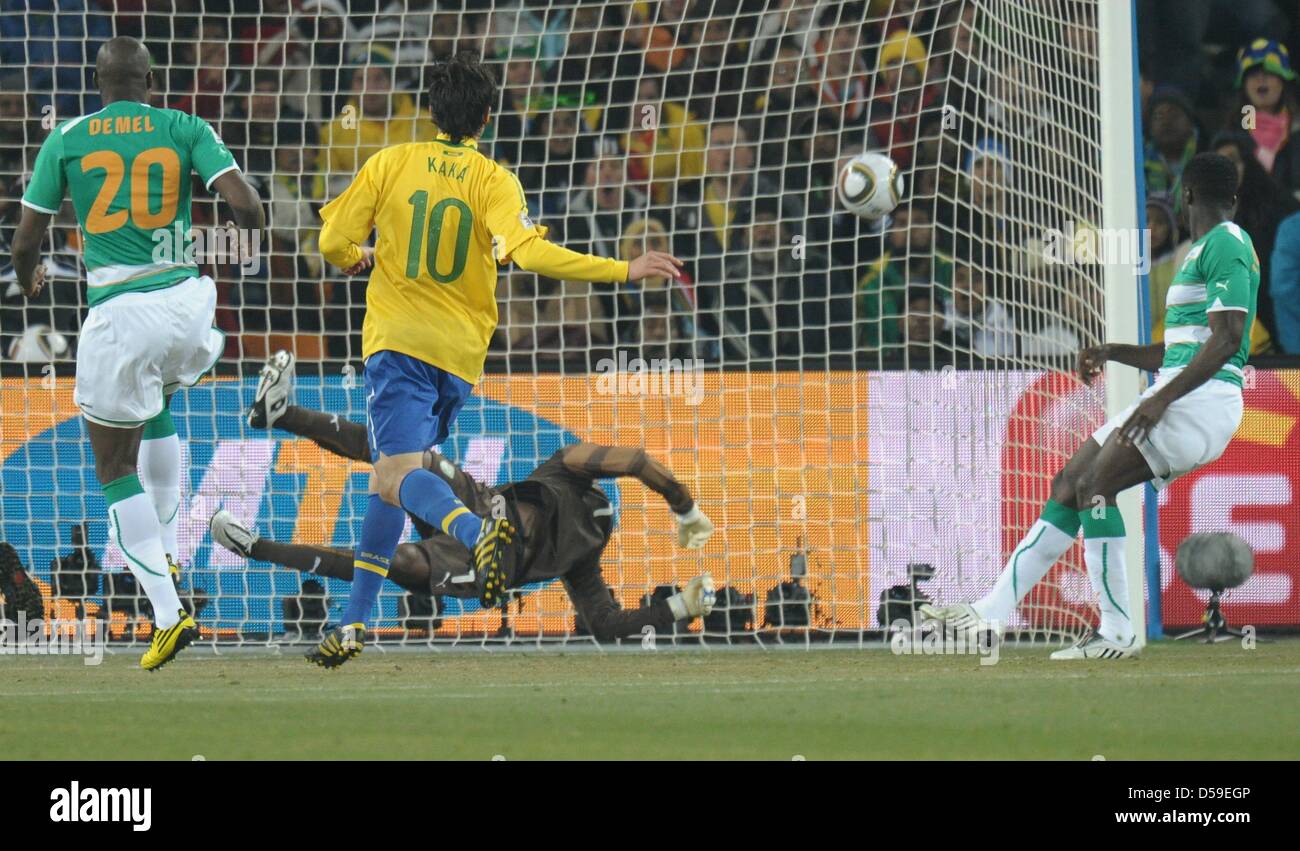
column 711, row 128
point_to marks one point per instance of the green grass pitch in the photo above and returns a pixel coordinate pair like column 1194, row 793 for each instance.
column 1181, row 701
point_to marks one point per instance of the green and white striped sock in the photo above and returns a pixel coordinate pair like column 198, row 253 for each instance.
column 1103, row 552
column 134, row 521
column 160, row 473
column 1046, row 541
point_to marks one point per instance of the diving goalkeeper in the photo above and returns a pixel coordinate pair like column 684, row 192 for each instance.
column 446, row 216
column 564, row 522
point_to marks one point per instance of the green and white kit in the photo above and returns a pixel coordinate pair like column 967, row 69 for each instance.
column 150, row 327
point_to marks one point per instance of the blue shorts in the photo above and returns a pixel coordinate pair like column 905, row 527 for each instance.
column 410, row 405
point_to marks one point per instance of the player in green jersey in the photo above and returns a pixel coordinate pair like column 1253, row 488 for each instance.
column 149, row 330
column 1183, row 421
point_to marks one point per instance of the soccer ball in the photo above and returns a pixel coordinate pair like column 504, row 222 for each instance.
column 869, row 185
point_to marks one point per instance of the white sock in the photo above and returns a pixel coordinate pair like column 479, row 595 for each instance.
column 1109, row 576
column 136, row 530
column 160, row 473
column 1042, row 545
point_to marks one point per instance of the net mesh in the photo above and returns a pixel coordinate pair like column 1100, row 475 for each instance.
column 852, row 397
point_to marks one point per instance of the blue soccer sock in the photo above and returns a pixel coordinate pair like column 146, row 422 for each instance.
column 431, row 499
column 381, row 532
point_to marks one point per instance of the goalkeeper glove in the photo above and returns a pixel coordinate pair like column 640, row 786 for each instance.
column 693, row 528
column 696, row 600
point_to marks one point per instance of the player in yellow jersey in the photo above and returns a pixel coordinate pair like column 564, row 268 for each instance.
column 446, row 217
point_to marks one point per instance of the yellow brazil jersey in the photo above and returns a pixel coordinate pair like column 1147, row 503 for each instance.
column 445, row 215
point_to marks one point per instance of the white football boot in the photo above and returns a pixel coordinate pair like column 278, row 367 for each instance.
column 959, row 618
column 1094, row 646
column 272, row 390
column 231, row 534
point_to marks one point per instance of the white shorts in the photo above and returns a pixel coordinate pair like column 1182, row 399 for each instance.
column 1193, row 431
column 138, row 347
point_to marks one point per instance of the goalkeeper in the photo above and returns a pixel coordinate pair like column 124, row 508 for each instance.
column 564, row 522
column 444, row 214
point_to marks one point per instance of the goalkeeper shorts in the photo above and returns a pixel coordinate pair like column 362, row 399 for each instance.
column 1193, row 431
column 139, row 347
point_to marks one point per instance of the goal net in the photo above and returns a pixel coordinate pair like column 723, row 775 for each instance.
column 848, row 400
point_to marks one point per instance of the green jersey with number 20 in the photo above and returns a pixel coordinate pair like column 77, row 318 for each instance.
column 128, row 168
column 1221, row 272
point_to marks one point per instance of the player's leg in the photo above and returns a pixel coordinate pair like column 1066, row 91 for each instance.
column 274, row 384
column 134, row 524
column 330, row 432
column 160, row 474
column 271, row 408
column 1117, row 467
column 121, row 386
column 1049, row 538
column 401, row 402
column 404, row 481
column 408, row 569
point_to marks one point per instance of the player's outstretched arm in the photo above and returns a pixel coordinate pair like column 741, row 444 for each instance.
column 1227, row 329
column 245, row 203
column 1093, row 360
column 693, row 527
column 348, row 221
column 563, row 264
column 26, row 251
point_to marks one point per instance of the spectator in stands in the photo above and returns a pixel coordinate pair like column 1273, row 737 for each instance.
column 1261, row 206
column 785, row 19
column 910, row 260
column 785, row 96
column 1284, row 284
column 754, row 311
column 257, row 121
column 204, row 91
column 656, row 316
column 598, row 210
column 712, row 215
column 842, row 71
column 548, row 317
column 589, row 60
column 1267, row 109
column 973, row 320
column 310, row 53
column 18, row 130
column 901, row 98
column 294, row 191
column 375, row 117
column 717, row 76
column 951, row 69
column 1167, row 253
column 1171, row 141
column 507, row 131
column 556, row 153
column 55, row 41
column 914, row 337
column 658, row 31
column 1172, row 34
column 665, row 142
